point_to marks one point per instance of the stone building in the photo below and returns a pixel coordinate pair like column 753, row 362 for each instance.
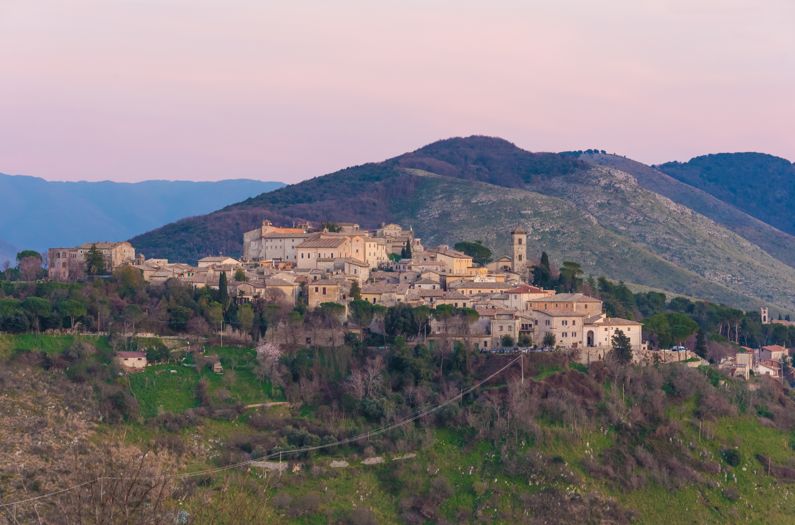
column 519, row 242
column 66, row 264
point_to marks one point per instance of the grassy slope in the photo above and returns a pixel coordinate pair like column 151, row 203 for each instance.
column 676, row 233
column 775, row 242
column 474, row 471
column 158, row 390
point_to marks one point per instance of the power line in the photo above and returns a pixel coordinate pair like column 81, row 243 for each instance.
column 301, row 450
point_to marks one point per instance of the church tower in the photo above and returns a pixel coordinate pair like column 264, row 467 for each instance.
column 519, row 238
column 763, row 313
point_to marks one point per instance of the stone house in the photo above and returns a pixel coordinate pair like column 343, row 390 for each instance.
column 131, row 360
column 64, row 264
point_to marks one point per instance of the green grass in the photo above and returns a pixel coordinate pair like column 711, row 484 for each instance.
column 546, row 371
column 49, row 343
column 158, row 389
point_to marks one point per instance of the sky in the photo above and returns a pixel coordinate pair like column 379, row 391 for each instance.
column 205, row 90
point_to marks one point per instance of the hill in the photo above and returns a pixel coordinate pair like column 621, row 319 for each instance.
column 38, row 214
column 479, row 187
column 568, row 443
column 761, row 185
column 774, row 241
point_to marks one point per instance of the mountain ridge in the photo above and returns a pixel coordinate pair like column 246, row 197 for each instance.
column 70, row 213
column 760, row 184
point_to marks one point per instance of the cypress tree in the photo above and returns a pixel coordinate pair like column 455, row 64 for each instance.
column 223, row 291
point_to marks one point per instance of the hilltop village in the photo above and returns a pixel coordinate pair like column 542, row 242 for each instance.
column 338, row 263
column 335, row 264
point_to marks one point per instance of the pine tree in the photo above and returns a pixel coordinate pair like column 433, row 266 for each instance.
column 701, row 344
column 622, row 347
column 95, row 262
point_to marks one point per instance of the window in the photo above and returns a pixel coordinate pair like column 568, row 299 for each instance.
column 565, row 334
column 546, row 322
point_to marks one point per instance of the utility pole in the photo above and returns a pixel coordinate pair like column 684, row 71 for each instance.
column 521, row 357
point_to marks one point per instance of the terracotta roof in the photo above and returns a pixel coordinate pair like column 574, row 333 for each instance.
column 297, row 235
column 278, row 282
column 525, row 288
column 568, row 298
column 452, row 253
column 616, row 321
column 481, row 285
column 562, row 313
column 130, row 355
column 379, row 288
column 775, row 348
column 323, row 243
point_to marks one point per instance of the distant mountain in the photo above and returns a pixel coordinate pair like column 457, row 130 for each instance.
column 7, row 253
column 38, row 214
column 477, row 188
column 761, row 185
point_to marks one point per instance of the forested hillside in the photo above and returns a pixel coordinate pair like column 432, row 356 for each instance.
column 759, row 184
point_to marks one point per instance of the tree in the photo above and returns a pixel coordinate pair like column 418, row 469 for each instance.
column 480, row 254
column 223, row 291
column 95, row 262
column 72, row 308
column 130, row 281
column 701, row 344
column 622, row 347
column 570, row 278
column 37, row 308
column 405, row 252
column 215, row 314
column 356, row 291
column 400, row 320
column 29, row 265
column 549, row 340
column 133, row 314
column 542, row 272
column 27, row 253
column 245, row 316
column 178, row 317
column 682, row 326
column 506, row 341
column 240, row 275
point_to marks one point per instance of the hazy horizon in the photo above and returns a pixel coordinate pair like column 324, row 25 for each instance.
column 178, row 90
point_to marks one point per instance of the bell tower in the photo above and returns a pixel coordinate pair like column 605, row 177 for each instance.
column 765, row 315
column 519, row 239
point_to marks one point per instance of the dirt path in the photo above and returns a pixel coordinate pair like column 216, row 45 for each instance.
column 268, row 404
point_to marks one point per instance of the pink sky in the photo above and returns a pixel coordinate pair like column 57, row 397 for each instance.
column 198, row 89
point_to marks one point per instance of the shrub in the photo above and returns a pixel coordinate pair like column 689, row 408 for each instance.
column 731, row 456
